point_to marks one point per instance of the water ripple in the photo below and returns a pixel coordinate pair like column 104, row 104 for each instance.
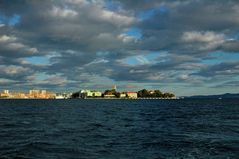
column 115, row 129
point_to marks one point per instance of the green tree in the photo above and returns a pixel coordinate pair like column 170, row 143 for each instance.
column 143, row 93
column 117, row 94
column 158, row 93
column 75, row 95
column 113, row 92
column 168, row 95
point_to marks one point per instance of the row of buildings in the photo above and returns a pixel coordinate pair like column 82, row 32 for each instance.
column 110, row 94
column 83, row 94
column 107, row 94
column 43, row 94
column 32, row 94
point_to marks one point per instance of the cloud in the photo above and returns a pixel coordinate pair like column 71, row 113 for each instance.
column 202, row 37
column 63, row 12
column 126, row 38
column 114, row 18
column 231, row 46
column 11, row 46
column 5, row 38
column 223, row 69
column 230, row 84
column 4, row 82
column 12, row 72
column 85, row 42
column 195, row 27
column 203, row 40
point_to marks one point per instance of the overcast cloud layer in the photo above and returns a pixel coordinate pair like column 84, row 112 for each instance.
column 184, row 46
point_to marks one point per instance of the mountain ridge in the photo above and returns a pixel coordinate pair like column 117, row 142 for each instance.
column 226, row 95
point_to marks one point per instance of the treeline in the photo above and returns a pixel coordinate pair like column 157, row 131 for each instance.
column 144, row 93
column 155, row 93
column 111, row 92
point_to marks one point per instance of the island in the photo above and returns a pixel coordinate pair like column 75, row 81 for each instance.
column 88, row 94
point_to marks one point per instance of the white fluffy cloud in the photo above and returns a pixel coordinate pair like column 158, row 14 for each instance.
column 114, row 18
column 208, row 36
column 208, row 39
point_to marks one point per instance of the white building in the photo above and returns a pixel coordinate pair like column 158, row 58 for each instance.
column 89, row 93
column 6, row 91
column 122, row 95
column 132, row 95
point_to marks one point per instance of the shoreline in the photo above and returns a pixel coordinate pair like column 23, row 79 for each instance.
column 91, row 99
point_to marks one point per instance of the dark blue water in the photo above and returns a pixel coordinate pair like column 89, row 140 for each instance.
column 119, row 129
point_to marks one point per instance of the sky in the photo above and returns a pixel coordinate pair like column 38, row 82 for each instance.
column 188, row 47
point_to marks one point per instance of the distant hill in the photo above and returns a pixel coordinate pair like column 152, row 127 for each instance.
column 227, row 95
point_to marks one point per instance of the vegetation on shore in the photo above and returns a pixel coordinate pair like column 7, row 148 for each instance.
column 155, row 93
column 144, row 93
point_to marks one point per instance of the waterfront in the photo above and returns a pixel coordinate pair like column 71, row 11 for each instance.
column 89, row 94
column 115, row 129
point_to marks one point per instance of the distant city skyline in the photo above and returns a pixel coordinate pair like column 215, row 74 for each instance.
column 85, row 94
column 186, row 47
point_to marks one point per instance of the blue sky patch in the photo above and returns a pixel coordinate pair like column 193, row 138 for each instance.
column 143, row 59
column 112, row 5
column 38, row 60
column 147, row 14
column 218, row 57
column 41, row 76
column 134, row 32
column 12, row 20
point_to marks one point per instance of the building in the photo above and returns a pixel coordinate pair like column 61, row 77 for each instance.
column 33, row 94
column 5, row 94
column 19, row 95
column 59, row 96
column 97, row 94
column 89, row 94
column 122, row 95
column 34, row 91
column 109, row 96
column 132, row 95
column 63, row 95
column 85, row 94
column 43, row 92
column 114, row 87
column 6, row 91
column 40, row 94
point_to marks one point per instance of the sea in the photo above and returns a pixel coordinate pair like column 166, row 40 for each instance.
column 119, row 129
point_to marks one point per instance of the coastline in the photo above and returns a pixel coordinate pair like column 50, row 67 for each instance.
column 91, row 99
